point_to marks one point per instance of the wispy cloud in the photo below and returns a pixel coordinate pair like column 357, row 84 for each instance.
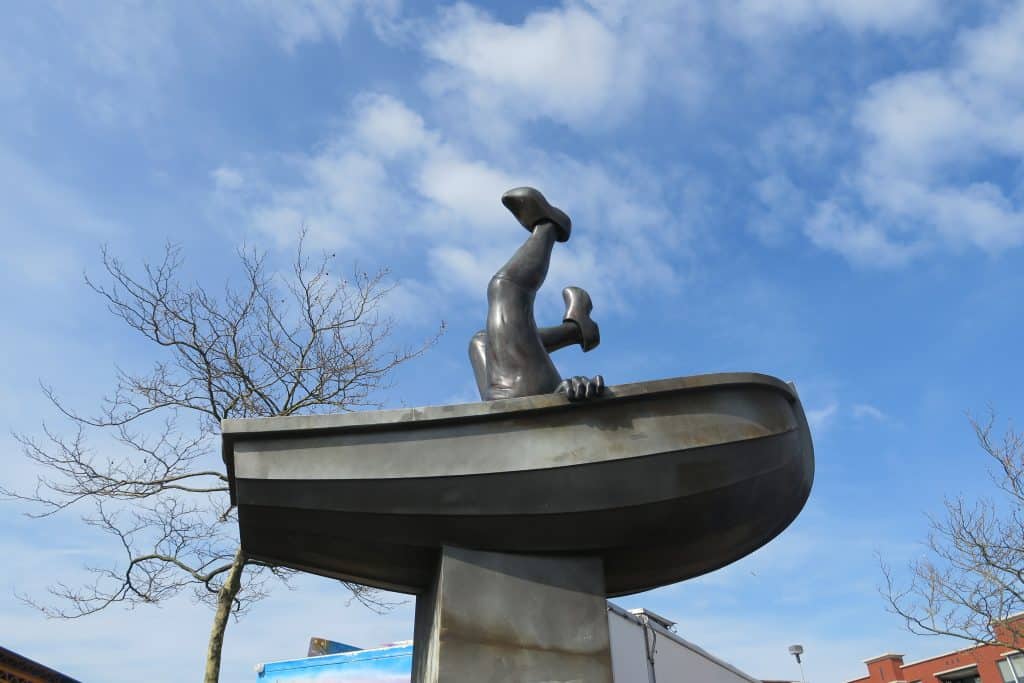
column 301, row 21
column 911, row 191
column 390, row 183
column 589, row 65
column 582, row 65
column 298, row 22
column 44, row 224
column 763, row 19
column 227, row 179
column 821, row 418
column 866, row 410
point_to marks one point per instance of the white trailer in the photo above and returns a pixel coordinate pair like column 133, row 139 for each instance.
column 644, row 648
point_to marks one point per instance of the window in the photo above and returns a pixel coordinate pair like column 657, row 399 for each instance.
column 1009, row 666
column 967, row 674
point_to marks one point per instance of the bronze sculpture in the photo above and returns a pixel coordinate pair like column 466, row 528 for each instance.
column 513, row 520
column 511, row 356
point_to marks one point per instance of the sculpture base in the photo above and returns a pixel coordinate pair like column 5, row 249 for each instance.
column 498, row 618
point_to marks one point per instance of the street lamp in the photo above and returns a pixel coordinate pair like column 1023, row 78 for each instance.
column 796, row 651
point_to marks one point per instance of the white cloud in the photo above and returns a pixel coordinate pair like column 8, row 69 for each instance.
column 995, row 51
column 559, row 63
column 585, row 65
column 117, row 63
column 803, row 138
column 227, row 179
column 344, row 196
column 389, row 186
column 784, row 151
column 762, row 18
column 389, row 127
column 412, row 302
column 782, row 204
column 916, row 123
column 110, row 61
column 820, row 419
column 467, row 188
column 863, row 243
column 301, row 21
column 866, row 410
column 928, row 175
column 459, row 269
column 313, row 21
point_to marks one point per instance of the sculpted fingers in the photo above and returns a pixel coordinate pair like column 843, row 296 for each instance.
column 580, row 388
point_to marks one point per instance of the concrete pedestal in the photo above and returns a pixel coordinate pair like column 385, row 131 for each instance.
column 504, row 618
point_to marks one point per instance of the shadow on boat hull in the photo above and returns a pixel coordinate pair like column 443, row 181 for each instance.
column 741, row 474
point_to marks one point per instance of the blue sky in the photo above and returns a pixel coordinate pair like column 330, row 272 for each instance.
column 830, row 191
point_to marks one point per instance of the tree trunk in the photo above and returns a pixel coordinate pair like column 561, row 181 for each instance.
column 225, row 599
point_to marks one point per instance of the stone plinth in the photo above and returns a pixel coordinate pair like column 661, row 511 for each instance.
column 501, row 618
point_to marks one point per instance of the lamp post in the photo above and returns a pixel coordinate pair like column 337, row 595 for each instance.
column 796, row 651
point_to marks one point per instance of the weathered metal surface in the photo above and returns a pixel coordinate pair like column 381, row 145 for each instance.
column 605, row 431
column 496, row 618
column 511, row 356
column 663, row 480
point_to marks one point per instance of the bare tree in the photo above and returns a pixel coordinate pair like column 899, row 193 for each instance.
column 302, row 342
column 970, row 582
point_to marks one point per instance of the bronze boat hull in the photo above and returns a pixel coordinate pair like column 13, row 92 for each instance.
column 663, row 480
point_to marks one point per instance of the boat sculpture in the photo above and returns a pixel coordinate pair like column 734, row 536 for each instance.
column 663, row 480
column 513, row 518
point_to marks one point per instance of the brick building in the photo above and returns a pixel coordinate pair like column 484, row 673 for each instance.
column 979, row 664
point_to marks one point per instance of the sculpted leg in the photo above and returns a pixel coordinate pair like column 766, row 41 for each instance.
column 560, row 336
column 553, row 338
column 510, row 358
column 516, row 362
column 528, row 267
column 478, row 359
column 577, row 326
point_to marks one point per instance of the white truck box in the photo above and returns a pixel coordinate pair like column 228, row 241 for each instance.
column 644, row 647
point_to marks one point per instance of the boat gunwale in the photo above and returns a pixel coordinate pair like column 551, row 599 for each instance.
column 401, row 419
column 410, row 418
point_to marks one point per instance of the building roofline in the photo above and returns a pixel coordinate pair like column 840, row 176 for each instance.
column 944, row 654
column 938, row 656
column 1009, row 617
column 32, row 667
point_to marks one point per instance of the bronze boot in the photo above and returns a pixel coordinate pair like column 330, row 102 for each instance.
column 577, row 310
column 530, row 208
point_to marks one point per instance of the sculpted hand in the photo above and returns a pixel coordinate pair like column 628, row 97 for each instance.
column 581, row 388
